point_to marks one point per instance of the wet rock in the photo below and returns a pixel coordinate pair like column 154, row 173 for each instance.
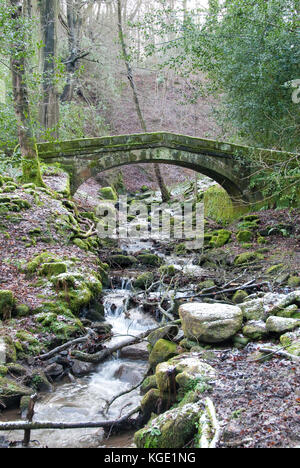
column 281, row 324
column 210, row 323
column 168, row 333
column 137, row 351
column 54, row 370
column 130, row 373
column 172, row 429
column 80, row 368
column 255, row 329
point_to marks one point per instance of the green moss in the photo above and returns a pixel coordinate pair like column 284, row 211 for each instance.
column 22, row 310
column 7, row 303
column 3, row 372
column 149, row 259
column 168, row 270
column 123, row 261
column 52, row 269
column 219, row 238
column 276, row 269
column 148, row 384
column 162, row 351
column 82, row 244
column 36, row 262
column 294, row 281
column 205, row 285
column 11, row 392
column 218, row 205
column 244, row 236
column 26, row 337
column 239, row 297
column 108, row 193
column 144, row 281
column 248, row 257
column 180, row 249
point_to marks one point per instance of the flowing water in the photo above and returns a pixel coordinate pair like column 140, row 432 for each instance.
column 85, row 399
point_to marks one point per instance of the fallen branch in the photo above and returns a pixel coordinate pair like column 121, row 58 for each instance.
column 279, row 352
column 103, row 354
column 35, row 426
column 209, row 424
column 110, row 402
column 59, row 349
column 228, row 291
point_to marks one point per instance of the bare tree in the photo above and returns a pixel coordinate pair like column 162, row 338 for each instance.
column 49, row 105
column 164, row 191
column 30, row 161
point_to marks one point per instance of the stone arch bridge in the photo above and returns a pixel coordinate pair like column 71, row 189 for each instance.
column 226, row 163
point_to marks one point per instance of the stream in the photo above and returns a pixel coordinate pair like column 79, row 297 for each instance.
column 85, row 399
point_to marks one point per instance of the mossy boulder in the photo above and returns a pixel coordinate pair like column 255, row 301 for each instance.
column 149, row 259
column 144, row 280
column 162, row 351
column 220, row 238
column 248, row 257
column 148, row 384
column 123, row 261
column 7, row 303
column 253, row 310
column 34, row 265
column 108, row 193
column 244, row 236
column 11, row 392
column 155, row 402
column 172, row 429
column 52, row 269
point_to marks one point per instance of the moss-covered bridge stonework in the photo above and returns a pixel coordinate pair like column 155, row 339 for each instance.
column 227, row 164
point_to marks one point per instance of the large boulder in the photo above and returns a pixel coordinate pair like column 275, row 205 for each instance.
column 210, row 323
column 172, row 429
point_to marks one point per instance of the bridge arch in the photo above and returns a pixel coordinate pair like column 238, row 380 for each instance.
column 225, row 163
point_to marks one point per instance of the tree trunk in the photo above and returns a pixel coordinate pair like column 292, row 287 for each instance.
column 49, row 106
column 163, row 189
column 30, row 161
column 74, row 24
